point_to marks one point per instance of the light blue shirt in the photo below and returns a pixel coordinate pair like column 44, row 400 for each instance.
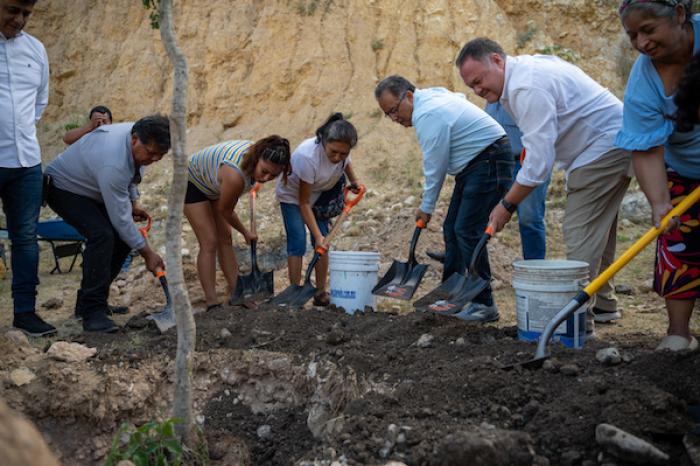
column 451, row 131
column 647, row 121
column 24, row 93
column 498, row 113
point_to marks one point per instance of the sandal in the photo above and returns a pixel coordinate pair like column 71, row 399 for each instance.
column 677, row 343
column 322, row 299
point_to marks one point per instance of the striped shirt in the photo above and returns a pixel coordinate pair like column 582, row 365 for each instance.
column 203, row 169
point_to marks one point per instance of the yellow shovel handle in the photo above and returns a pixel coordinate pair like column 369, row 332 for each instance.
column 641, row 243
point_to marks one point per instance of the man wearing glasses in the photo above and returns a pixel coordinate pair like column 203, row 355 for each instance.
column 460, row 139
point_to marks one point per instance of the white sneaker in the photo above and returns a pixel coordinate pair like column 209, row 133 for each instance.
column 476, row 312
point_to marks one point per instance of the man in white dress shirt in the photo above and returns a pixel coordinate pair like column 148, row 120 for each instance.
column 570, row 121
column 24, row 93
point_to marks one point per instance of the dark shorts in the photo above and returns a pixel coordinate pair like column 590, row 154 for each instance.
column 677, row 271
column 194, row 195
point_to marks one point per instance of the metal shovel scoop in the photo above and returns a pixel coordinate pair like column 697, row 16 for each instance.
column 165, row 318
column 458, row 290
column 541, row 354
column 402, row 278
column 256, row 285
column 298, row 295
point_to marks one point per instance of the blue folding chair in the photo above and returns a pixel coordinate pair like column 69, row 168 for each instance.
column 65, row 241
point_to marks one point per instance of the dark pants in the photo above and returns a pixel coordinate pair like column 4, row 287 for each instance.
column 478, row 188
column 104, row 250
column 20, row 191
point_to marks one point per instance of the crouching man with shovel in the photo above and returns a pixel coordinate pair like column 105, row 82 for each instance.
column 460, row 139
column 90, row 187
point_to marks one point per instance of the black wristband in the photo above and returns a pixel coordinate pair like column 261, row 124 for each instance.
column 509, row 206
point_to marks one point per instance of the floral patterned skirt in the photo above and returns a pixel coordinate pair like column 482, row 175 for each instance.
column 677, row 269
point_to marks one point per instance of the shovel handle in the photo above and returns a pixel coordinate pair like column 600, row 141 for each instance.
column 253, row 195
column 349, row 204
column 480, row 247
column 144, row 230
column 420, row 224
column 352, row 202
column 159, row 273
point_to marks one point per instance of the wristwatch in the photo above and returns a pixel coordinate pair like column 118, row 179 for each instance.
column 509, row 206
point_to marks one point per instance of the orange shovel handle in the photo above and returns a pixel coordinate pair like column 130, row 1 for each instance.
column 144, row 230
column 420, row 223
column 352, row 202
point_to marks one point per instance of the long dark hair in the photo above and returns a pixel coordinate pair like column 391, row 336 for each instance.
column 687, row 97
column 336, row 128
column 273, row 149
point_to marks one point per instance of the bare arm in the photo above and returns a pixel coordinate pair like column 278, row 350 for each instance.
column 650, row 169
column 232, row 185
column 306, row 213
column 97, row 119
column 351, row 174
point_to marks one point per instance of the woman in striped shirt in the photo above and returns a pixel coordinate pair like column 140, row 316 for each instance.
column 218, row 176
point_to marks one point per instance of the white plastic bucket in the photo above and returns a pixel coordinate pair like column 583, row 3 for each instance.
column 353, row 275
column 543, row 288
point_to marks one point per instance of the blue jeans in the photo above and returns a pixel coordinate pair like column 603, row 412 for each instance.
column 478, row 189
column 295, row 228
column 533, row 234
column 20, row 191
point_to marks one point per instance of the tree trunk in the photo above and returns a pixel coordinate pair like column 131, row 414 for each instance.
column 186, row 329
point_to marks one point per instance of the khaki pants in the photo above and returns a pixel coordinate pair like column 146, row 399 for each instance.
column 594, row 193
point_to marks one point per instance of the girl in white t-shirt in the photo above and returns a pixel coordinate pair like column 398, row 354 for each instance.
column 317, row 166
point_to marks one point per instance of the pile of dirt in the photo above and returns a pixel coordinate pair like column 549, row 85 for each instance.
column 417, row 388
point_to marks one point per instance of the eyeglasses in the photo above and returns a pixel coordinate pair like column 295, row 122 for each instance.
column 395, row 109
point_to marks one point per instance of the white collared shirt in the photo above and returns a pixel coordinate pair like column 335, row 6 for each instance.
column 566, row 117
column 24, row 93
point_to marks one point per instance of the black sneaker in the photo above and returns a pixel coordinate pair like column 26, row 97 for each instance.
column 117, row 310
column 33, row 325
column 97, row 321
column 111, row 310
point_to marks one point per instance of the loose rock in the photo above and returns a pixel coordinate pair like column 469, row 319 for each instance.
column 52, row 303
column 571, row 370
column 609, row 356
column 628, row 447
column 22, row 376
column 225, row 333
column 70, row 352
column 624, row 289
column 425, row 341
column 264, row 432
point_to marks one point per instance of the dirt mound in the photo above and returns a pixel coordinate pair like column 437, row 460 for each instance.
column 359, row 389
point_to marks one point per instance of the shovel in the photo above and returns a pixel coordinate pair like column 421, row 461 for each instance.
column 298, row 295
column 165, row 318
column 256, row 285
column 458, row 290
column 402, row 278
column 541, row 354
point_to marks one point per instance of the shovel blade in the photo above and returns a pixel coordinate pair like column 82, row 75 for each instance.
column 294, row 295
column 164, row 320
column 452, row 295
column 400, row 281
column 256, row 286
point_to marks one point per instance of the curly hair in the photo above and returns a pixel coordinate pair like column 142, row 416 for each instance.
column 273, row 149
column 687, row 97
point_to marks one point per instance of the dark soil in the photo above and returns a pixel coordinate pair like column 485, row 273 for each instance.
column 446, row 394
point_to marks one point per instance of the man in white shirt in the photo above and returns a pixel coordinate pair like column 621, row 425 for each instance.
column 570, row 121
column 24, row 93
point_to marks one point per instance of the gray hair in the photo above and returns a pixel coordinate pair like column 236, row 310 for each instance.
column 395, row 84
column 478, row 49
column 337, row 128
column 658, row 9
